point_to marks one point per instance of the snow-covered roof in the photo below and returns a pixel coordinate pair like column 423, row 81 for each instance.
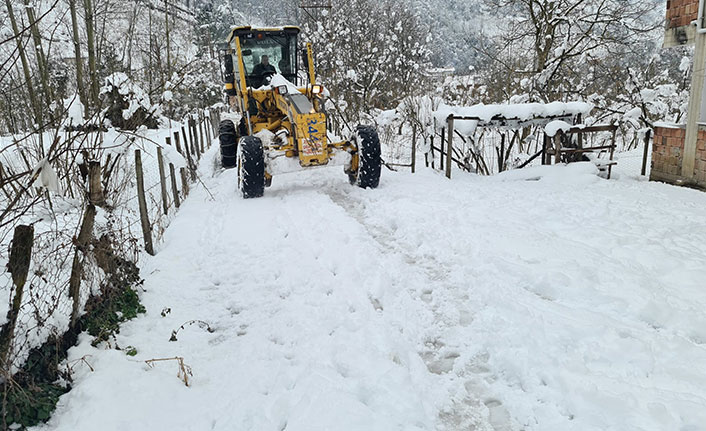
column 517, row 115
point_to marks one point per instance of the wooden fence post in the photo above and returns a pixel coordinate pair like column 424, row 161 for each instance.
column 18, row 267
column 175, row 191
column 176, row 143
column 162, row 181
column 545, row 156
column 203, row 146
column 557, row 147
column 414, row 147
column 645, row 152
column 184, row 182
column 188, row 150
column 449, row 146
column 431, row 139
column 194, row 138
column 441, row 148
column 95, row 188
column 146, row 228
column 82, row 241
column 204, row 124
column 186, row 141
column 209, row 137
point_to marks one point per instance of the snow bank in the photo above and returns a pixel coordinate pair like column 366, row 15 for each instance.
column 572, row 173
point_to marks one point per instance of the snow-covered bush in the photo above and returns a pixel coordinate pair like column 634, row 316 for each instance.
column 127, row 106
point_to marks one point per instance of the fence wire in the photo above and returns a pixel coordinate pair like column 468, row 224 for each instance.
column 46, row 305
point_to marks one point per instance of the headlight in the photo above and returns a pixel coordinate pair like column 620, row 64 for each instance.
column 282, row 89
column 317, row 89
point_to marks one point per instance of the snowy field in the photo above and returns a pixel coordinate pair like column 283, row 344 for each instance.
column 542, row 299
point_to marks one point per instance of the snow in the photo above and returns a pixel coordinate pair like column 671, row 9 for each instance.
column 634, row 113
column 74, row 111
column 134, row 94
column 539, row 299
column 56, row 221
column 553, row 127
column 669, row 125
column 520, row 111
column 47, row 176
column 685, row 64
column 278, row 81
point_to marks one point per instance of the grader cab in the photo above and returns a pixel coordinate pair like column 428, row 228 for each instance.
column 279, row 109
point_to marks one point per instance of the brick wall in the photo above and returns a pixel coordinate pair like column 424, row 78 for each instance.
column 667, row 156
column 667, row 149
column 681, row 12
column 700, row 162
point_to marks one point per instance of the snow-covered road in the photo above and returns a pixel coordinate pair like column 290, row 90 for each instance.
column 566, row 302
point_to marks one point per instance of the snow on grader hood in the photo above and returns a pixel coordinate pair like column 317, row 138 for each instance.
column 271, row 88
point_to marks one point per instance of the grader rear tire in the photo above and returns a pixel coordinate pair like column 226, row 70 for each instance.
column 369, row 162
column 229, row 144
column 251, row 167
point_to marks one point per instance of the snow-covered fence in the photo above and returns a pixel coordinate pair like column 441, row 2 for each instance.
column 81, row 200
column 514, row 124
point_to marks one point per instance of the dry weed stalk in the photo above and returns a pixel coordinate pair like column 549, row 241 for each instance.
column 184, row 370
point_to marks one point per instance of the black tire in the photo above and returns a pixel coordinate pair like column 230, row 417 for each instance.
column 369, row 162
column 229, row 144
column 251, row 167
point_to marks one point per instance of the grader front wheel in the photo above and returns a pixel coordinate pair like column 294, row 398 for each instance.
column 367, row 158
column 229, row 143
column 251, row 167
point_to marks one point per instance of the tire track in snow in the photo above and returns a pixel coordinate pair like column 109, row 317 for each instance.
column 467, row 409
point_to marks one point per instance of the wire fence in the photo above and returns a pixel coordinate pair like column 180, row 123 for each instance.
column 83, row 209
column 493, row 150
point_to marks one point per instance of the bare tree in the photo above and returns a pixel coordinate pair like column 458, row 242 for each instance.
column 547, row 46
column 25, row 64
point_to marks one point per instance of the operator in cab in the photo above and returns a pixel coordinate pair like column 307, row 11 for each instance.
column 262, row 69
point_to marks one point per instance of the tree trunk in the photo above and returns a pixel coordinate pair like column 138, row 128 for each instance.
column 41, row 58
column 166, row 28
column 18, row 267
column 25, row 65
column 91, row 42
column 79, row 61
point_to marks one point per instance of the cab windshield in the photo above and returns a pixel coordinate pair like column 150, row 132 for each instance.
column 265, row 54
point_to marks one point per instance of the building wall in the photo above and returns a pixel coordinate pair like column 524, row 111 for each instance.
column 700, row 163
column 667, row 149
column 680, row 14
column 667, row 156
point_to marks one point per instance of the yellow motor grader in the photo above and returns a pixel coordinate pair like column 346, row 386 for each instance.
column 282, row 125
